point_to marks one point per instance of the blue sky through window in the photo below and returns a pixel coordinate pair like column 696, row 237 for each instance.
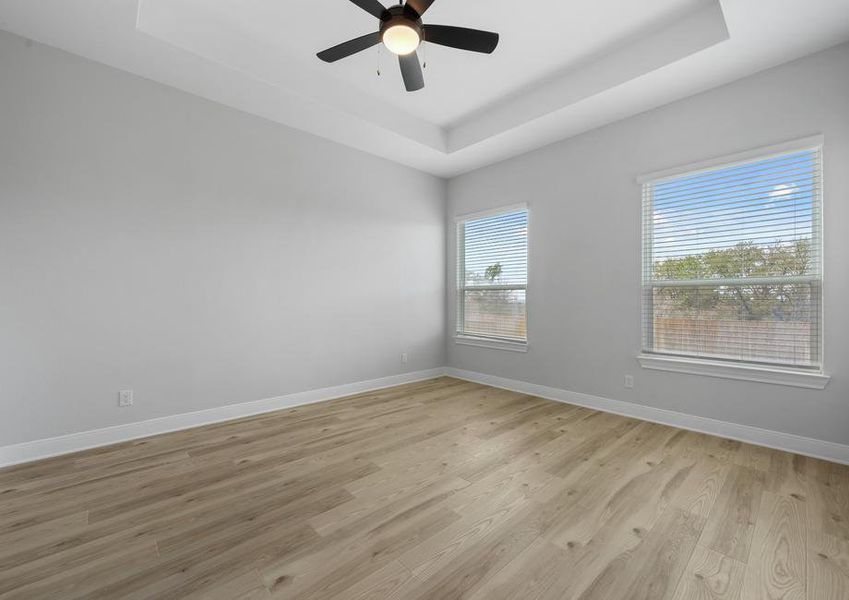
column 763, row 202
column 499, row 239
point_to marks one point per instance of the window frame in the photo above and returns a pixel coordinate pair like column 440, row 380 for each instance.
column 810, row 377
column 478, row 340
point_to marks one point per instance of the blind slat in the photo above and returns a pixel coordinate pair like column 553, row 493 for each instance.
column 493, row 274
column 732, row 262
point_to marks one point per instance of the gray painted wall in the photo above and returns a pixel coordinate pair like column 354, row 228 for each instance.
column 584, row 246
column 203, row 257
column 154, row 240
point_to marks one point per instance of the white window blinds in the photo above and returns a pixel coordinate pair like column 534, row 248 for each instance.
column 732, row 262
column 492, row 268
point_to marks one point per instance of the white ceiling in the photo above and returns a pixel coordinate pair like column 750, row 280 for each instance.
column 528, row 52
column 561, row 67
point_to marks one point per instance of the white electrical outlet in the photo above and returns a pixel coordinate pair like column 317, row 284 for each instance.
column 629, row 381
column 404, row 357
column 125, row 398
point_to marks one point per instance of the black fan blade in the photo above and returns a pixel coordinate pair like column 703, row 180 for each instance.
column 372, row 7
column 462, row 38
column 350, row 47
column 411, row 71
column 420, row 6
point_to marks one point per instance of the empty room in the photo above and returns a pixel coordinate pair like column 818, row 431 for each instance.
column 437, row 300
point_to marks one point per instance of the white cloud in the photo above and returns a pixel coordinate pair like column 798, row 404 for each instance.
column 779, row 191
column 782, row 190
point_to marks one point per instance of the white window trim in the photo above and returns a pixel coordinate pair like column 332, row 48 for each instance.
column 804, row 378
column 490, row 212
column 491, row 343
column 479, row 341
column 733, row 160
column 742, row 371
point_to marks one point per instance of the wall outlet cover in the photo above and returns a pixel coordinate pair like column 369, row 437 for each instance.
column 125, row 398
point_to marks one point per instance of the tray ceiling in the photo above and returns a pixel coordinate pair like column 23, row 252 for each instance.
column 559, row 70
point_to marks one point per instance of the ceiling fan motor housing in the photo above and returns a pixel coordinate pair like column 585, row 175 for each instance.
column 399, row 15
column 402, row 32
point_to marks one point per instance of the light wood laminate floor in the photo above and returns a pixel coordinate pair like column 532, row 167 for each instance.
column 442, row 489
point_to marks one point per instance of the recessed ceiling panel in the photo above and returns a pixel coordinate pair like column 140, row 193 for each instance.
column 562, row 67
column 537, row 41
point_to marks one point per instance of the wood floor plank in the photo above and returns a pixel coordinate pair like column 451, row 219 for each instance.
column 392, row 581
column 664, row 556
column 21, row 540
column 710, row 576
column 78, row 578
column 777, row 560
column 247, row 586
column 350, row 512
column 392, row 521
column 442, row 550
column 651, row 569
column 529, row 575
column 731, row 522
column 700, row 489
column 827, row 567
column 788, row 475
column 483, row 559
column 754, row 457
column 382, row 549
column 440, row 489
column 827, row 498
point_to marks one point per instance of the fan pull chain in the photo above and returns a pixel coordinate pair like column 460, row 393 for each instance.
column 424, row 54
column 378, row 59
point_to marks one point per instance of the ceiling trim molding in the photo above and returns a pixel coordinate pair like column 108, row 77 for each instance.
column 684, row 37
column 714, row 43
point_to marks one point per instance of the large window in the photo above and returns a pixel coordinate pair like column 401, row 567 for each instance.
column 492, row 250
column 732, row 261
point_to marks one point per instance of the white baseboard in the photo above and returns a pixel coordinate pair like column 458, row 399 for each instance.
column 74, row 442
column 753, row 435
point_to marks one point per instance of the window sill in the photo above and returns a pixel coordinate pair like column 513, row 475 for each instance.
column 712, row 368
column 493, row 344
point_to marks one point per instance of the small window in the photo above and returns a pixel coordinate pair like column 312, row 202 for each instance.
column 732, row 261
column 492, row 270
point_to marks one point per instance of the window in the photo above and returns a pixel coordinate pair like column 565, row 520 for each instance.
column 492, row 266
column 732, row 261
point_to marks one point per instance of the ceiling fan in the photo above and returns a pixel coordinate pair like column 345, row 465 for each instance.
column 401, row 30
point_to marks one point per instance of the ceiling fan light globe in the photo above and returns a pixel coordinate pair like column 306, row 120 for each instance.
column 401, row 39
